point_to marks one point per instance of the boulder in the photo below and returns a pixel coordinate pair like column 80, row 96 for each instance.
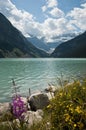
column 50, row 88
column 32, row 117
column 4, row 107
column 38, row 101
column 50, row 91
column 50, row 95
column 39, row 112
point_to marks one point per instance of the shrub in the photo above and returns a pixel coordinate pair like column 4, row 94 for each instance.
column 68, row 108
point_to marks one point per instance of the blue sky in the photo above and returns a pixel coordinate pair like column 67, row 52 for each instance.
column 34, row 6
column 46, row 18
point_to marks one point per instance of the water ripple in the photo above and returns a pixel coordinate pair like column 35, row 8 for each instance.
column 36, row 73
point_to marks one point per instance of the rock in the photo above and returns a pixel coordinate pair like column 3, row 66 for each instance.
column 4, row 107
column 50, row 91
column 24, row 99
column 50, row 95
column 32, row 117
column 50, row 88
column 39, row 112
column 26, row 105
column 38, row 101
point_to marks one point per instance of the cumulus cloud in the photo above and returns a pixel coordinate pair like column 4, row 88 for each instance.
column 19, row 18
column 49, row 4
column 56, row 24
column 56, row 12
column 78, row 17
column 44, row 8
column 56, row 27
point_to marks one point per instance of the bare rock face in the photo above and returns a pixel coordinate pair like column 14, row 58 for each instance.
column 38, row 101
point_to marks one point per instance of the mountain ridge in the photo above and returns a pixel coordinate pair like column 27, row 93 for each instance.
column 74, row 48
column 47, row 46
column 14, row 44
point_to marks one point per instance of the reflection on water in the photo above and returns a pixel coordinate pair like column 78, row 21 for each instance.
column 36, row 73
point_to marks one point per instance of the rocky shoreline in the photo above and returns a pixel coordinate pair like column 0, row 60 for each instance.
column 34, row 104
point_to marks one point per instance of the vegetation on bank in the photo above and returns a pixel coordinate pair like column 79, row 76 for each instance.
column 68, row 108
column 67, row 111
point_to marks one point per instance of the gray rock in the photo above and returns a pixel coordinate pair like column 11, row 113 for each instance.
column 38, row 101
column 50, row 95
column 24, row 99
column 32, row 117
column 50, row 88
column 4, row 107
column 26, row 105
column 40, row 112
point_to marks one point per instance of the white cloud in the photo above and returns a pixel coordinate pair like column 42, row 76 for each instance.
column 83, row 5
column 55, row 12
column 44, row 8
column 73, row 22
column 21, row 19
column 51, row 3
column 78, row 17
column 52, row 26
column 55, row 27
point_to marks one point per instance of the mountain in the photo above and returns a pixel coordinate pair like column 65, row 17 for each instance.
column 14, row 44
column 74, row 48
column 49, row 47
column 39, row 43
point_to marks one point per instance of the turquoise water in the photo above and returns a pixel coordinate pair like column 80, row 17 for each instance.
column 36, row 73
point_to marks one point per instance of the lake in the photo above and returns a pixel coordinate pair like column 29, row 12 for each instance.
column 36, row 73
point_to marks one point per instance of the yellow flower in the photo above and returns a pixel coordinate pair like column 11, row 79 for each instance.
column 70, row 105
column 75, row 125
column 49, row 106
column 67, row 116
column 78, row 109
column 81, row 125
column 71, row 109
column 60, row 94
column 67, row 106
